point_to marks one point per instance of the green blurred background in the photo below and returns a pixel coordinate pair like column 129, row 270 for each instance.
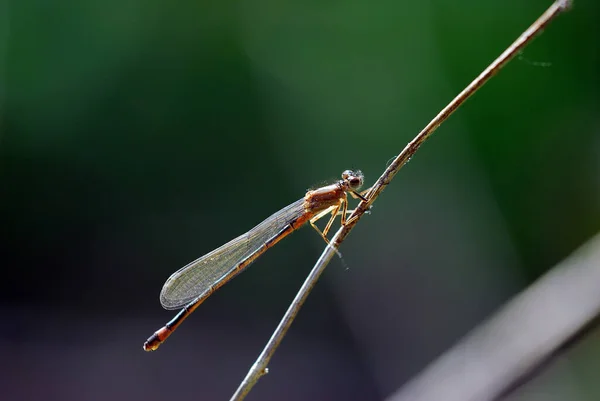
column 137, row 135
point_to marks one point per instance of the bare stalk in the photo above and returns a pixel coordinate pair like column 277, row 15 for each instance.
column 524, row 334
column 260, row 366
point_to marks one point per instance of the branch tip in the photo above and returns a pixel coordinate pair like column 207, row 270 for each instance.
column 565, row 5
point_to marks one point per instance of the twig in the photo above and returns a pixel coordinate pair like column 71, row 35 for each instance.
column 491, row 360
column 260, row 366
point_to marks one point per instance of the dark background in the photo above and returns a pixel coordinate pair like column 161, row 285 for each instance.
column 136, row 136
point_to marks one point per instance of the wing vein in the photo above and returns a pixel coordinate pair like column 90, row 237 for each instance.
column 196, row 278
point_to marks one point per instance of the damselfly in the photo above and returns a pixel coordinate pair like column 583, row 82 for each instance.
column 188, row 287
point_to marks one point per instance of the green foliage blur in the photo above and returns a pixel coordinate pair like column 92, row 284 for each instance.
column 137, row 135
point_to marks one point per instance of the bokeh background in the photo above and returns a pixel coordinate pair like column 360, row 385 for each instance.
column 137, row 135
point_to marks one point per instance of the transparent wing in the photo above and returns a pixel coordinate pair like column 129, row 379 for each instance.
column 197, row 277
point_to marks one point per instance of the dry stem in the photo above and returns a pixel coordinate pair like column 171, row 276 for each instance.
column 260, row 366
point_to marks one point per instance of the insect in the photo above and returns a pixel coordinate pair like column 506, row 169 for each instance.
column 188, row 287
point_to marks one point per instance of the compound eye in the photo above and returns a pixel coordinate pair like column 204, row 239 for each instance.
column 347, row 174
column 355, row 182
column 353, row 178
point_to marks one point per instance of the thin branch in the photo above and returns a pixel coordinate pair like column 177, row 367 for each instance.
column 260, row 366
column 490, row 361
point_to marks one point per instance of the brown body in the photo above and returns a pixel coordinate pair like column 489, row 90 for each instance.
column 317, row 203
column 319, row 200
